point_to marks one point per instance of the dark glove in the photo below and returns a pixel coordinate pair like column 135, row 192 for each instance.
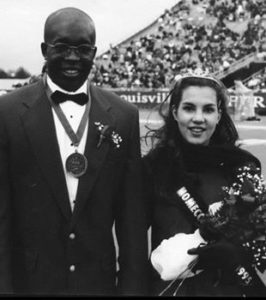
column 219, row 255
column 226, row 256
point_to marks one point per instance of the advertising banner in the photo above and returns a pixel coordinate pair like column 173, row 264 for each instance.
column 150, row 99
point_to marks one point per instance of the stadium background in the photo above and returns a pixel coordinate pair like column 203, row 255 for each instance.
column 227, row 37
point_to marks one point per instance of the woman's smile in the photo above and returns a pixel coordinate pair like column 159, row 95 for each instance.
column 197, row 114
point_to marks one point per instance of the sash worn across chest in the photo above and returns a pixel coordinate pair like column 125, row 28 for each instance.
column 190, row 203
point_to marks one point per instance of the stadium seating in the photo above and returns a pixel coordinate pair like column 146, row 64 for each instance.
column 219, row 36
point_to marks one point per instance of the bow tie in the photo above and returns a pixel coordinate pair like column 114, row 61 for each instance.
column 59, row 97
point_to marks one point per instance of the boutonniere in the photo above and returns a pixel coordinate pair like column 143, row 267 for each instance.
column 107, row 133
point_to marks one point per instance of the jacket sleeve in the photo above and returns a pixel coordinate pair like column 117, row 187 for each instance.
column 5, row 214
column 249, row 281
column 147, row 189
column 130, row 225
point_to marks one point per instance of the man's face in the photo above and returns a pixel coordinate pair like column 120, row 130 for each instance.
column 68, row 69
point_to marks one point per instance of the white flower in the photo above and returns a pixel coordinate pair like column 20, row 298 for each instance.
column 170, row 258
column 215, row 207
column 107, row 132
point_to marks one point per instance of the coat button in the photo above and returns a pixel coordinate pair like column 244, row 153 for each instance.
column 72, row 236
column 72, row 268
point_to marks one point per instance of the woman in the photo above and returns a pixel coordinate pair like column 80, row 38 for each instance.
column 194, row 151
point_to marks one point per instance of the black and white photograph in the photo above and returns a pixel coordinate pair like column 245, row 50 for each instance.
column 133, row 148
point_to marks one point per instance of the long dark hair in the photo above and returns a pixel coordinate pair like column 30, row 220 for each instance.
column 166, row 142
column 168, row 135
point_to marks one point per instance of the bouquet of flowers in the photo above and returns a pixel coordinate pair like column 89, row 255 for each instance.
column 240, row 218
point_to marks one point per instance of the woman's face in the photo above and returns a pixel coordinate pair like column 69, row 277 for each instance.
column 197, row 114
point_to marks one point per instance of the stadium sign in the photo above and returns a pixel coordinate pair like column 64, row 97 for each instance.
column 258, row 98
column 153, row 98
column 143, row 98
column 147, row 99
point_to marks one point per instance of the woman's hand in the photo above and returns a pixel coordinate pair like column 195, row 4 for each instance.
column 226, row 256
column 222, row 255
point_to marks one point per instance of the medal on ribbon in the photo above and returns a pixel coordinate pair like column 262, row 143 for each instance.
column 76, row 164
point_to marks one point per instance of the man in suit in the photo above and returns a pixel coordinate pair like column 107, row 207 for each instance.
column 69, row 174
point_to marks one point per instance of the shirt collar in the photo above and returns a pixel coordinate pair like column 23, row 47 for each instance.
column 54, row 87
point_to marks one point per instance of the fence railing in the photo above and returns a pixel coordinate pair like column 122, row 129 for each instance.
column 244, row 61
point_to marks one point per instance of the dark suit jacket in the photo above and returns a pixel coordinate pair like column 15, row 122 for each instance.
column 44, row 247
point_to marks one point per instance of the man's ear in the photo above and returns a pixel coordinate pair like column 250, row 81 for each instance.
column 95, row 52
column 44, row 50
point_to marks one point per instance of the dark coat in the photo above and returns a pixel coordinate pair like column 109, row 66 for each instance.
column 44, row 247
column 203, row 171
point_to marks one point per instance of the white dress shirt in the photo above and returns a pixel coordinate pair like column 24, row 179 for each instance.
column 73, row 113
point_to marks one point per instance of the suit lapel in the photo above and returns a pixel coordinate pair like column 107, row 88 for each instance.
column 95, row 156
column 40, row 129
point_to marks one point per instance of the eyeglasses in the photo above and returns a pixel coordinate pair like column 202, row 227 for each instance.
column 83, row 51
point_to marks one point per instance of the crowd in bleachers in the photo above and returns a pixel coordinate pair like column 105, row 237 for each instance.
column 257, row 81
column 194, row 33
